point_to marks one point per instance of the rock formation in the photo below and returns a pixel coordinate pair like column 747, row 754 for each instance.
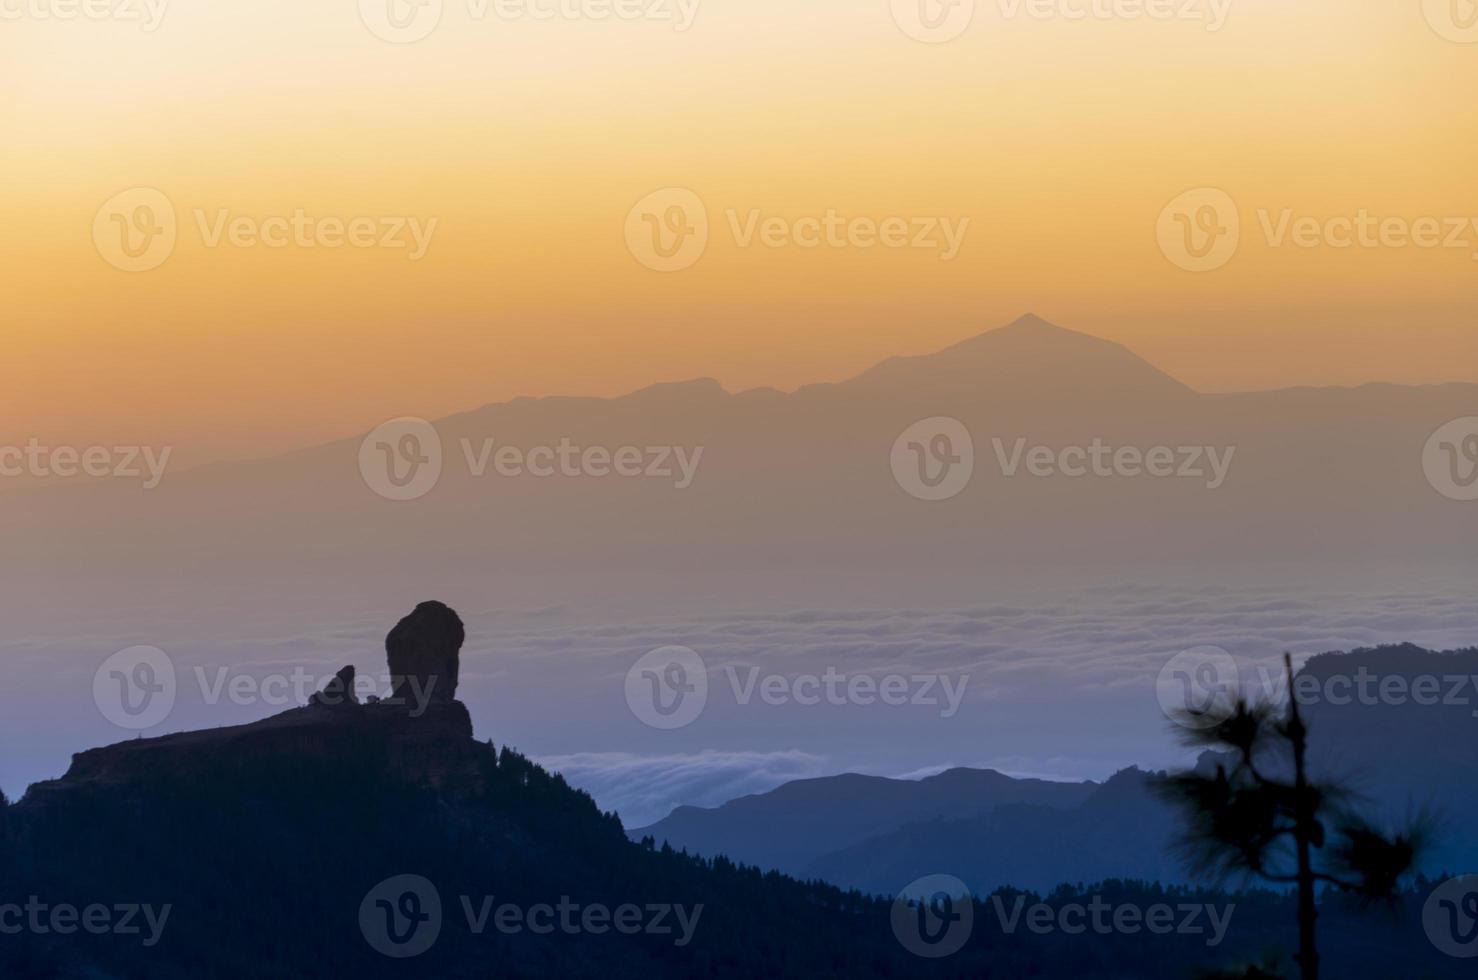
column 338, row 692
column 424, row 649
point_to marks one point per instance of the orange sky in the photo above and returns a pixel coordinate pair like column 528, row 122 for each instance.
column 528, row 142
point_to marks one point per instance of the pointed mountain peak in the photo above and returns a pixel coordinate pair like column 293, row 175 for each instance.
column 1032, row 327
column 1029, row 357
column 1030, row 321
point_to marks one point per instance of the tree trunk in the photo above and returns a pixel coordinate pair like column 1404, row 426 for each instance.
column 1308, row 912
column 1308, row 953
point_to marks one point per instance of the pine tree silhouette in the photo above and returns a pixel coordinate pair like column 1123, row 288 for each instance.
column 1259, row 814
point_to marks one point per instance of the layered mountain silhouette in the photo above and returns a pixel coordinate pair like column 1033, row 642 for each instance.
column 1398, row 756
column 1122, row 829
column 1011, row 835
column 789, row 827
column 798, row 480
column 380, row 839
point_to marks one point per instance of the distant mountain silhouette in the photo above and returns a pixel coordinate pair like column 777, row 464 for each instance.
column 1120, row 830
column 1030, row 360
column 788, row 827
column 800, row 478
column 1408, row 751
column 993, row 831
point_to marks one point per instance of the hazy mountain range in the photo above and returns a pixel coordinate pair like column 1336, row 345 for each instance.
column 1398, row 757
column 803, row 479
column 789, row 827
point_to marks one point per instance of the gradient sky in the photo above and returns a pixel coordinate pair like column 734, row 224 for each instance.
column 529, row 141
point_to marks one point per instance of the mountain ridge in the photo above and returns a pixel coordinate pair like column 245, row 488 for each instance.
column 1047, row 340
column 1394, row 753
column 784, row 827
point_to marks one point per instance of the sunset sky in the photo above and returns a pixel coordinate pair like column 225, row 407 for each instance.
column 528, row 141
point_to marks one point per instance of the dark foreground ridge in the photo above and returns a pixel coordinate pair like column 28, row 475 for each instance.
column 420, row 736
column 380, row 839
